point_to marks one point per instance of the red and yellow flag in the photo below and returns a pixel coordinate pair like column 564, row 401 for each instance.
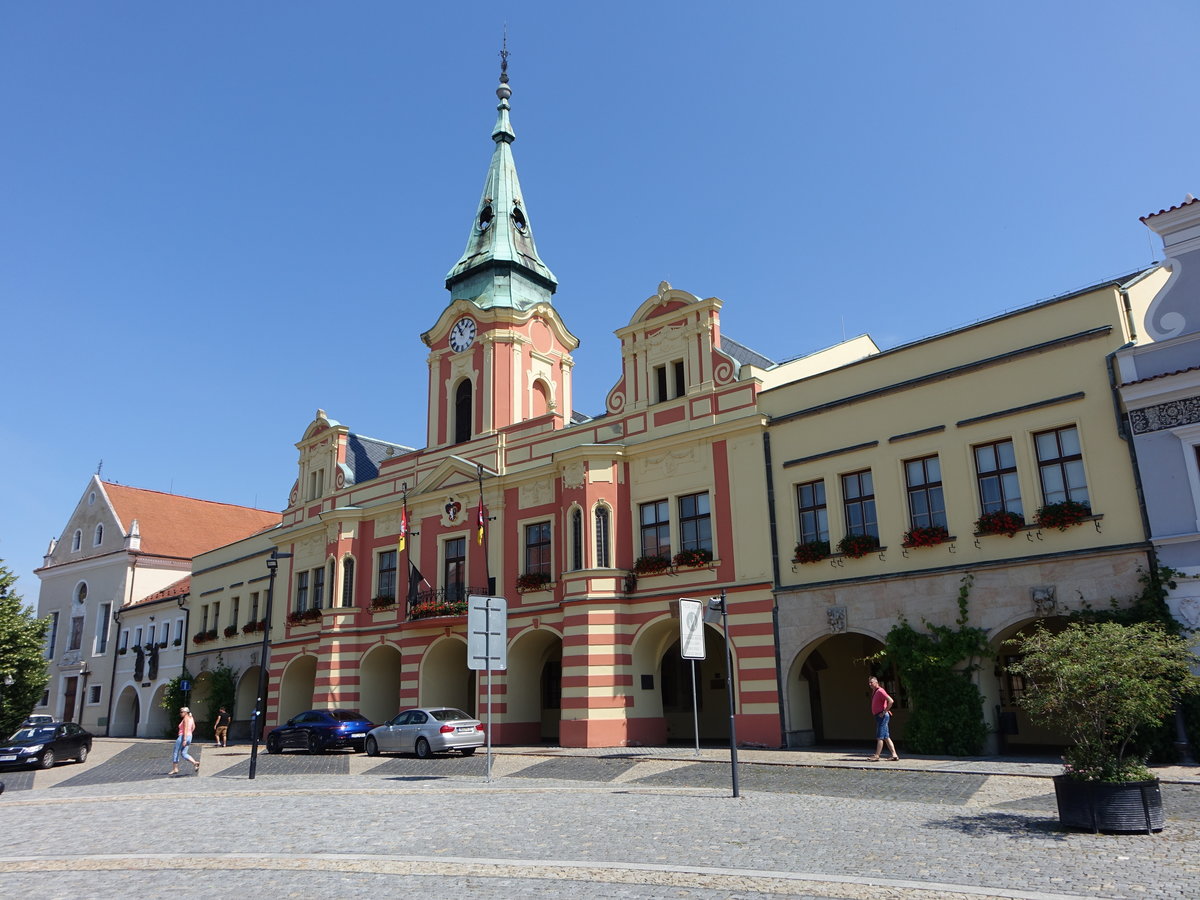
column 480, row 518
column 403, row 530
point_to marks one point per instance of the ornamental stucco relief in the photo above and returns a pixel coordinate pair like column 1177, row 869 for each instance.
column 836, row 617
column 1165, row 415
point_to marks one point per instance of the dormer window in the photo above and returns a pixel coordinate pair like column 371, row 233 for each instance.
column 669, row 381
column 316, row 484
column 518, row 219
column 485, row 218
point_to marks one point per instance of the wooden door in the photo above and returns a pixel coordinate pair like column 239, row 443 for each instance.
column 69, row 691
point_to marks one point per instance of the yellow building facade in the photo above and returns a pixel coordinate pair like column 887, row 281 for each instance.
column 910, row 448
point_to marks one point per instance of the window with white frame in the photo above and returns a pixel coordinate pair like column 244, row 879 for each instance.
column 318, row 587
column 348, row 581
column 98, row 538
column 1060, row 466
column 301, row 591
column 235, row 609
column 814, row 514
column 51, row 635
column 655, row 528
column 858, row 503
column 178, row 632
column 150, row 634
column 77, row 539
column 103, row 611
column 385, row 581
column 576, row 539
column 926, row 502
column 94, row 693
column 454, row 569
column 137, row 636
column 537, row 549
column 603, row 537
column 996, row 475
column 695, row 522
column 124, row 643
column 253, row 607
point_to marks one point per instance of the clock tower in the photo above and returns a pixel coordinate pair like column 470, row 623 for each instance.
column 500, row 354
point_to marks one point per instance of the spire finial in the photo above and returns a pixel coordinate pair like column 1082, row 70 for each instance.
column 504, row 91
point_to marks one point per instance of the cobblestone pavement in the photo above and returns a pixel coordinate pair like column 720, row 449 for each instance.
column 622, row 823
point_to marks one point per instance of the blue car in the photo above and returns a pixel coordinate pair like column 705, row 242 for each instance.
column 319, row 730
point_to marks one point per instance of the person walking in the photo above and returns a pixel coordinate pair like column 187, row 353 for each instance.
column 881, row 709
column 187, row 725
column 221, row 727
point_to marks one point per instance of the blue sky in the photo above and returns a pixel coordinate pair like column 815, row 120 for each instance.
column 216, row 218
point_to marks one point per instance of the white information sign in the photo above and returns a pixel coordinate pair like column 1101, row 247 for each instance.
column 487, row 633
column 691, row 629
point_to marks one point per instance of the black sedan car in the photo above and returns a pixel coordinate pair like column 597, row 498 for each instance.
column 319, row 730
column 44, row 745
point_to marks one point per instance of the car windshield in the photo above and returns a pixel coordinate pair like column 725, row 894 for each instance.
column 33, row 734
column 347, row 715
column 448, row 715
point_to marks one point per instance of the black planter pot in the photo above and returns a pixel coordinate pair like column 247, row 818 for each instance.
column 1100, row 806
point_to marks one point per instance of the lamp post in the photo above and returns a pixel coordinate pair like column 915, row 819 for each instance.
column 84, row 673
column 718, row 608
column 260, row 706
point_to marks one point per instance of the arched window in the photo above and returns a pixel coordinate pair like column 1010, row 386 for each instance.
column 81, row 592
column 576, row 539
column 348, row 581
column 463, row 412
column 77, row 540
column 602, row 537
column 99, row 536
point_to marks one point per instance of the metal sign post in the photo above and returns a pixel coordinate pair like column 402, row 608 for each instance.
column 718, row 610
column 691, row 647
column 487, row 647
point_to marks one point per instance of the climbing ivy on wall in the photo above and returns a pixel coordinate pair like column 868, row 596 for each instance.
column 935, row 666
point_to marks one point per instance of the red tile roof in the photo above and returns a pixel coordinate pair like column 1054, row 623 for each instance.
column 178, row 589
column 183, row 527
column 1188, row 202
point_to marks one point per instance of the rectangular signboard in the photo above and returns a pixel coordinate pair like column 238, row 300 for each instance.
column 487, row 633
column 691, row 629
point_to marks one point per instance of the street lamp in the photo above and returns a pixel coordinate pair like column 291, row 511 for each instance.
column 260, row 706
column 719, row 609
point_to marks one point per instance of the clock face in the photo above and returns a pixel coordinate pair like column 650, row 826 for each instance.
column 462, row 335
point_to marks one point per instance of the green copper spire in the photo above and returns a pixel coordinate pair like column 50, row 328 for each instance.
column 501, row 266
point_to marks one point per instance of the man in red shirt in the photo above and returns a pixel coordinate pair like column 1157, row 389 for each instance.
column 881, row 709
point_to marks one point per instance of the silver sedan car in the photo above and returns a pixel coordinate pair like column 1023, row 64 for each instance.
column 426, row 731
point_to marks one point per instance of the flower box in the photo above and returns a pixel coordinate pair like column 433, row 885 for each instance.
column 857, row 546
column 1062, row 515
column 230, row 630
column 1001, row 521
column 383, row 601
column 811, row 552
column 211, row 634
column 178, row 642
column 430, row 609
column 692, row 558
column 199, row 637
column 122, row 651
column 304, row 617
column 928, row 536
column 532, row 581
column 250, row 628
column 651, row 565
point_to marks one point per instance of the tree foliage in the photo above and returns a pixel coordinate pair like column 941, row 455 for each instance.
column 935, row 666
column 222, row 689
column 22, row 655
column 1099, row 683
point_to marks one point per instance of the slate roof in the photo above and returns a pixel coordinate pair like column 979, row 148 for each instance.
column 744, row 354
column 183, row 527
column 364, row 454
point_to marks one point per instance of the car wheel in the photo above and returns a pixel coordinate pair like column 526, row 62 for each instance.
column 47, row 760
column 83, row 752
column 468, row 751
column 272, row 745
column 313, row 745
column 422, row 749
column 372, row 747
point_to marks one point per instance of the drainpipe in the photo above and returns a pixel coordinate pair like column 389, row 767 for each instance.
column 779, row 679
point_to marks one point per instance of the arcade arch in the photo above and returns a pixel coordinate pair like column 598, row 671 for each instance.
column 825, row 694
column 445, row 679
column 126, row 713
column 379, row 683
column 533, row 688
column 296, row 687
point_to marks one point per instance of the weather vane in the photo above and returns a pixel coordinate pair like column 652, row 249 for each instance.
column 504, row 57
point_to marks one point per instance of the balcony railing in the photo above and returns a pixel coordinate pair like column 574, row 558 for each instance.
column 448, row 601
